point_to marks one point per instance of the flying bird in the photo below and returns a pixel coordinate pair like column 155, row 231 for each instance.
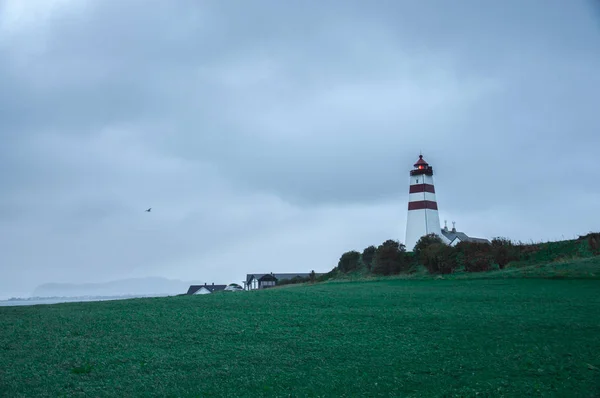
column 149, row 210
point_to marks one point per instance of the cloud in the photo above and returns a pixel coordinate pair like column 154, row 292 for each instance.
column 271, row 137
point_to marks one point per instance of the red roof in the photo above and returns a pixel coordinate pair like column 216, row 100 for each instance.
column 421, row 162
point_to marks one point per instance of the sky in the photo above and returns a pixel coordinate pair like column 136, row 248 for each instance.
column 273, row 136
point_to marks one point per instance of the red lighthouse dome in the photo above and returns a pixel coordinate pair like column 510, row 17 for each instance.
column 421, row 168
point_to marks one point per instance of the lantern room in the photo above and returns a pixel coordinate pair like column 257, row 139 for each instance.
column 421, row 168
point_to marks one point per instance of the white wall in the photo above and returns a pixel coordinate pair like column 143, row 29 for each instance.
column 414, row 197
column 422, row 179
column 424, row 221
column 419, row 223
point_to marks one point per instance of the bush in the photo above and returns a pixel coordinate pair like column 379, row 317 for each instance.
column 368, row 255
column 528, row 252
column 472, row 248
column 292, row 281
column 504, row 251
column 478, row 262
column 476, row 257
column 349, row 261
column 439, row 258
column 423, row 243
column 329, row 275
column 593, row 240
column 390, row 258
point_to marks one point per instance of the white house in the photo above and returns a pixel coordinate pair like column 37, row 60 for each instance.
column 262, row 281
column 205, row 289
column 456, row 237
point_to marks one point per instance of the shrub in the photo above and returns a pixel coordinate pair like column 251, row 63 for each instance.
column 527, row 252
column 329, row 275
column 478, row 262
column 593, row 240
column 292, row 281
column 504, row 251
column 349, row 261
column 439, row 258
column 411, row 260
column 476, row 257
column 368, row 255
column 471, row 248
column 390, row 258
column 423, row 243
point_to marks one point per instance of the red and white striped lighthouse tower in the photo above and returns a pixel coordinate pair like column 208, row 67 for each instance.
column 423, row 218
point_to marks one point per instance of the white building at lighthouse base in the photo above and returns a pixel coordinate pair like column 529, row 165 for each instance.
column 454, row 237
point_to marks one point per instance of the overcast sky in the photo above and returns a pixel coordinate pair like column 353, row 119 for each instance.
column 272, row 136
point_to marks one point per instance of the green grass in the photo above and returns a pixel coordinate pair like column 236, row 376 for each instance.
column 546, row 252
column 487, row 337
column 578, row 268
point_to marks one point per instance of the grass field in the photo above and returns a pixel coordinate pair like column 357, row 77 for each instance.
column 509, row 337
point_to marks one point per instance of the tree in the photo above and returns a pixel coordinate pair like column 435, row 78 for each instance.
column 349, row 261
column 439, row 258
column 423, row 243
column 368, row 255
column 390, row 258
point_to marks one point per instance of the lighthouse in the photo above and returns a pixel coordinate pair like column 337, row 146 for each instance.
column 423, row 218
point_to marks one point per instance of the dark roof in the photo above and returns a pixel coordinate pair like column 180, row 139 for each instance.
column 213, row 288
column 267, row 277
column 279, row 277
column 462, row 237
column 421, row 162
column 451, row 235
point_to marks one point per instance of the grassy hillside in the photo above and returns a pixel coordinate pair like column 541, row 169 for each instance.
column 394, row 337
column 577, row 268
column 546, row 252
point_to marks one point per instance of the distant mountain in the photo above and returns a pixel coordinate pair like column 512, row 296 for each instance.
column 133, row 286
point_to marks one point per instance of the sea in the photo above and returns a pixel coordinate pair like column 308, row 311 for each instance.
column 57, row 300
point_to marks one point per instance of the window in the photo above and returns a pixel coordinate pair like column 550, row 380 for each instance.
column 267, row 283
column 417, row 180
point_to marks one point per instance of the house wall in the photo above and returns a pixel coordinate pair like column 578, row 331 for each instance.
column 203, row 290
column 252, row 285
column 267, row 284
